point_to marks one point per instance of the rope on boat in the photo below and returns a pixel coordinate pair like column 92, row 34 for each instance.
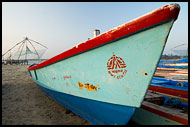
column 172, row 102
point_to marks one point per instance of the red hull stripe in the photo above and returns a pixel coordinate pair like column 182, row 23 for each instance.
column 169, row 91
column 155, row 17
column 166, row 115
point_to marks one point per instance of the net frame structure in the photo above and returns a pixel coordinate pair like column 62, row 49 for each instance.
column 21, row 46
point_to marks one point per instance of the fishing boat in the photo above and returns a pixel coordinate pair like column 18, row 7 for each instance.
column 174, row 83
column 104, row 79
column 172, row 75
column 161, row 110
column 171, row 88
column 174, row 65
column 173, row 61
column 173, row 68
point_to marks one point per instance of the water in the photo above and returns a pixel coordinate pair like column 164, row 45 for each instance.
column 30, row 61
column 35, row 61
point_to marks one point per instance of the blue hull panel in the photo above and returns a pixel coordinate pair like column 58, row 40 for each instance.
column 96, row 112
column 160, row 81
column 168, row 66
column 185, row 60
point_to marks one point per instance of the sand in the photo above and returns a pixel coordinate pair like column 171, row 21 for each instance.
column 23, row 103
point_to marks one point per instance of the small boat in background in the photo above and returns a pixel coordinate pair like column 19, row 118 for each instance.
column 176, row 68
column 173, row 61
column 168, row 104
column 175, row 65
column 174, row 83
column 172, row 75
column 170, row 88
column 161, row 110
column 105, row 78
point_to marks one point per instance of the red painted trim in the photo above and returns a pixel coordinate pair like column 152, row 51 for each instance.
column 160, row 15
column 169, row 91
column 164, row 114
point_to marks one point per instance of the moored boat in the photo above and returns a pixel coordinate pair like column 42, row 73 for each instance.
column 161, row 110
column 175, row 83
column 105, row 78
column 170, row 88
column 173, row 61
column 175, row 65
column 176, row 69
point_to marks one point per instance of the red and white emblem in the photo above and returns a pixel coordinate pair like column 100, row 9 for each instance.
column 116, row 67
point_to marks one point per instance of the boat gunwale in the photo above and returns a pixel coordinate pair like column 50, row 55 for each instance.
column 146, row 106
column 147, row 21
column 170, row 91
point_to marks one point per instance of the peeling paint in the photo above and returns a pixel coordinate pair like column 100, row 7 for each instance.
column 88, row 86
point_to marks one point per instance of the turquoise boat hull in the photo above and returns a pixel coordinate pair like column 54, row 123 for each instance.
column 106, row 83
column 90, row 67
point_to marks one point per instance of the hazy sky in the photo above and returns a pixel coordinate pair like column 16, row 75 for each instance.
column 62, row 25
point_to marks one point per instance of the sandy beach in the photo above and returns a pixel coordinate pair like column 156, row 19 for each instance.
column 23, row 103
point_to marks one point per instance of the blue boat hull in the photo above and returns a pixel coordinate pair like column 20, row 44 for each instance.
column 168, row 66
column 170, row 83
column 173, row 63
column 185, row 60
column 96, row 112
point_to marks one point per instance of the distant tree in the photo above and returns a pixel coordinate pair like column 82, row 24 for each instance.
column 172, row 56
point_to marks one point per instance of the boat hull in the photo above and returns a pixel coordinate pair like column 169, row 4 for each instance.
column 96, row 112
column 105, row 78
column 174, row 61
column 152, row 114
column 114, row 86
column 151, row 118
column 176, row 89
column 70, row 75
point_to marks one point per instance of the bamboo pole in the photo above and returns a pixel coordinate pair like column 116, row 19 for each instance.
column 37, row 43
column 21, row 51
column 20, row 47
column 13, row 47
column 26, row 51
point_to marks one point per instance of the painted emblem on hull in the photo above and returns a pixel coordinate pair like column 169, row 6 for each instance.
column 116, row 67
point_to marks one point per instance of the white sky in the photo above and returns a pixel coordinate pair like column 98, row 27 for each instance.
column 61, row 25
